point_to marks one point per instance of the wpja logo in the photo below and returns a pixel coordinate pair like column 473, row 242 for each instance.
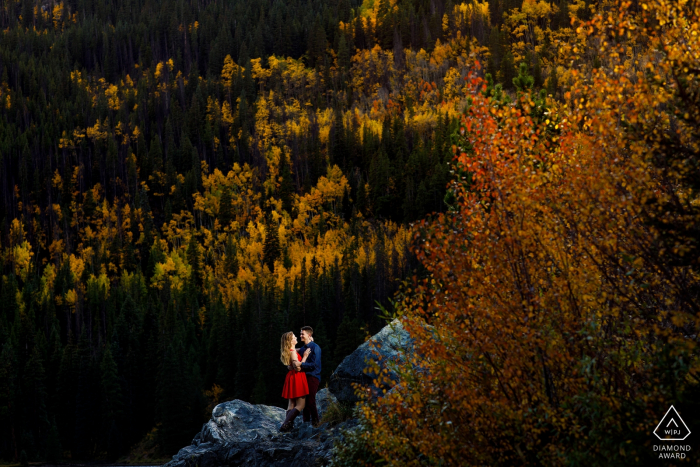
column 672, row 428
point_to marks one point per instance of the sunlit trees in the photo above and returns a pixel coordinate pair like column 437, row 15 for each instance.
column 557, row 320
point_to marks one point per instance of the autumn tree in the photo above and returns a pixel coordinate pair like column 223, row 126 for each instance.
column 548, row 313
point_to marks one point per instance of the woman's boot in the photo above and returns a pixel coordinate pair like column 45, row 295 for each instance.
column 289, row 421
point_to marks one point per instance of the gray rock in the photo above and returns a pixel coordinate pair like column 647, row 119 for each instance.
column 244, row 434
column 391, row 343
column 324, row 398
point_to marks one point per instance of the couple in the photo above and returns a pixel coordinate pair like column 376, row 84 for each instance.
column 303, row 377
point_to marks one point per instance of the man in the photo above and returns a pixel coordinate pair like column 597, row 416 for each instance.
column 312, row 368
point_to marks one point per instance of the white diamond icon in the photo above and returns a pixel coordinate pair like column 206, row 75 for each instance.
column 672, row 427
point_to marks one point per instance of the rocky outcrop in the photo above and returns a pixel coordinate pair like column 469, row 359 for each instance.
column 244, row 434
column 389, row 344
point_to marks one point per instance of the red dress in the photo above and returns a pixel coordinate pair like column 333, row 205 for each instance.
column 295, row 384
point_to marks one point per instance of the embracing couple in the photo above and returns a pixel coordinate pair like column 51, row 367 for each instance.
column 303, row 377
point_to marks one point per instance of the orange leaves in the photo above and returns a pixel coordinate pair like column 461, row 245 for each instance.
column 545, row 284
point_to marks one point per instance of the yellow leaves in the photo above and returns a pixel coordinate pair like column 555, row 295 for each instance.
column 71, row 298
column 64, row 142
column 226, row 114
column 22, row 259
column 162, row 67
column 112, row 97
column 229, row 71
column 98, row 132
column 325, row 121
column 327, row 193
column 57, row 181
column 57, row 13
column 259, row 73
column 78, row 134
column 5, row 95
column 77, row 266
column 56, row 208
column 159, row 70
column 98, row 287
column 173, row 271
column 529, row 26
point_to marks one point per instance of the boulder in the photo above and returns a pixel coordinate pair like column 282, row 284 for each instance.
column 240, row 421
column 387, row 345
column 324, row 398
column 244, row 434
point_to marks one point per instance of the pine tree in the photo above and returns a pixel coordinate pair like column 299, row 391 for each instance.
column 112, row 404
column 317, row 43
column 507, row 70
column 231, row 262
column 53, row 444
column 194, row 260
column 9, row 298
column 536, row 70
column 155, row 155
column 67, row 386
column 286, row 189
column 523, row 82
column 271, row 247
column 379, row 179
column 348, row 337
column 259, row 395
column 8, row 403
column 385, row 25
column 85, row 399
column 343, row 53
column 553, row 82
column 173, row 404
column 226, row 208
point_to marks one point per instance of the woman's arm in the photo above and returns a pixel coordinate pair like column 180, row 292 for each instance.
column 294, row 359
column 306, row 355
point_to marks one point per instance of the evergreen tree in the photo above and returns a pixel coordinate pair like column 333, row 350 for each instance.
column 507, row 71
column 112, row 404
column 271, row 247
column 53, row 444
column 155, row 155
column 317, row 43
column 225, row 208
column 523, row 82
column 8, row 403
column 553, row 82
column 173, row 402
column 348, row 337
column 286, row 189
column 259, row 395
column 343, row 53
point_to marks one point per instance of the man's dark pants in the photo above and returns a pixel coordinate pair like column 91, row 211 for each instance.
column 310, row 411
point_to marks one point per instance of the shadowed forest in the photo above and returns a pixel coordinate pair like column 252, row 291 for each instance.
column 183, row 181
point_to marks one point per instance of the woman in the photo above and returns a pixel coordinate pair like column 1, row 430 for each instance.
column 295, row 387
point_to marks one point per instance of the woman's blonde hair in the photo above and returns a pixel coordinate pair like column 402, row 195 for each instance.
column 285, row 347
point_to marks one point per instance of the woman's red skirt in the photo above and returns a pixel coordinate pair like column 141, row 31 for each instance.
column 295, row 385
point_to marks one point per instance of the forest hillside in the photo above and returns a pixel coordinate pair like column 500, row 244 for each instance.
column 183, row 181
